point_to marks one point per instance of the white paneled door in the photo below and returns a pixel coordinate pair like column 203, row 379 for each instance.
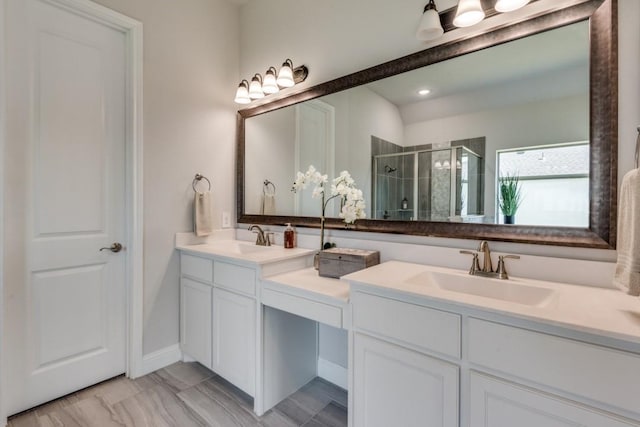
column 65, row 302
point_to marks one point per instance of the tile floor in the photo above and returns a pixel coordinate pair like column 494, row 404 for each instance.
column 185, row 395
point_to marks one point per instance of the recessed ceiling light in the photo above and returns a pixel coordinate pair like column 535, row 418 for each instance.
column 424, row 92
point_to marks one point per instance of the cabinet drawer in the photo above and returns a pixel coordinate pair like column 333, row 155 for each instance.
column 496, row 403
column 196, row 267
column 303, row 307
column 234, row 277
column 415, row 325
column 590, row 371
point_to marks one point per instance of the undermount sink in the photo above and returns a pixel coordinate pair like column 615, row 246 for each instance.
column 504, row 290
column 237, row 247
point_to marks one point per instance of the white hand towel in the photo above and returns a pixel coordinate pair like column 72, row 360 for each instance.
column 202, row 214
column 268, row 204
column 627, row 275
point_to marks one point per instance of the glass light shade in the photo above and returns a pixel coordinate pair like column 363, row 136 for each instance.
column 242, row 94
column 285, row 76
column 438, row 164
column 255, row 88
column 269, row 84
column 509, row 5
column 430, row 27
column 446, row 164
column 469, row 13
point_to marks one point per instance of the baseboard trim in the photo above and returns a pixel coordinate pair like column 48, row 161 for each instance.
column 333, row 373
column 161, row 358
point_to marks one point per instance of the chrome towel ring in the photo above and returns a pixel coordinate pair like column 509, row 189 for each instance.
column 199, row 178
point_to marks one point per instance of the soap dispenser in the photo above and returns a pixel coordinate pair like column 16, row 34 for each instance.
column 405, row 204
column 289, row 237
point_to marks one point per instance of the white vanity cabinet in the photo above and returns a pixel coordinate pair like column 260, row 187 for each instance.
column 195, row 320
column 422, row 362
column 234, row 324
column 595, row 382
column 218, row 318
column 396, row 382
column 498, row 403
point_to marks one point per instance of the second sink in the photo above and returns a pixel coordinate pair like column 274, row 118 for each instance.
column 505, row 290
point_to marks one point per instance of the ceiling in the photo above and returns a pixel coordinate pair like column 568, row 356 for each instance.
column 517, row 61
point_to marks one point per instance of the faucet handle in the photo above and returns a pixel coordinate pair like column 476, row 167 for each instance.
column 501, row 270
column 475, row 264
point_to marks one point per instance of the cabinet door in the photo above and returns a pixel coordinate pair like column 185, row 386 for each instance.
column 394, row 386
column 195, row 320
column 496, row 403
column 234, row 338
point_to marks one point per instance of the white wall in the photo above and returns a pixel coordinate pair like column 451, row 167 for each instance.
column 190, row 76
column 335, row 38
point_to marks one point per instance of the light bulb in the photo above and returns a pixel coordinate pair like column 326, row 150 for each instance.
column 285, row 76
column 430, row 27
column 469, row 13
column 269, row 84
column 242, row 94
column 255, row 88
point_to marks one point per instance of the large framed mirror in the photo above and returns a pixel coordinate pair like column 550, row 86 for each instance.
column 535, row 101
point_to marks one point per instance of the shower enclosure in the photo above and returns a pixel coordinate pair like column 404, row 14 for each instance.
column 445, row 184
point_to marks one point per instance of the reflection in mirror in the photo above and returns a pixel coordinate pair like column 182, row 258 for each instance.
column 439, row 156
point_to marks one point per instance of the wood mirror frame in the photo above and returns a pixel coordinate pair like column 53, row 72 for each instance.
column 603, row 100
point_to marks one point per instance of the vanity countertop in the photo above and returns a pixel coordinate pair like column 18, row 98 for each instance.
column 307, row 282
column 605, row 312
column 242, row 252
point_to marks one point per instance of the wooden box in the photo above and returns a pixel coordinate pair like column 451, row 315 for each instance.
column 337, row 262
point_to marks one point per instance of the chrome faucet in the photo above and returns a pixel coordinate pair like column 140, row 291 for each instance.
column 487, row 266
column 261, row 239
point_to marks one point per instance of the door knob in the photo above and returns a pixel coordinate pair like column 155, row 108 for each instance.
column 116, row 247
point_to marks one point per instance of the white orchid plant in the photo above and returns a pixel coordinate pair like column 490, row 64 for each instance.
column 352, row 206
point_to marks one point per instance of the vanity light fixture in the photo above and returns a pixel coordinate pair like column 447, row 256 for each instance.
column 285, row 76
column 509, row 5
column 430, row 27
column 259, row 87
column 269, row 84
column 255, row 88
column 469, row 13
column 242, row 94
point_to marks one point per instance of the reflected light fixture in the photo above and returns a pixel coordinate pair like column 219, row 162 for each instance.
column 469, row 13
column 255, row 88
column 430, row 27
column 259, row 87
column 423, row 92
column 446, row 164
column 269, row 84
column 242, row 94
column 509, row 5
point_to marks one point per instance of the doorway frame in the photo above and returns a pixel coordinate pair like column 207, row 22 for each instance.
column 132, row 29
